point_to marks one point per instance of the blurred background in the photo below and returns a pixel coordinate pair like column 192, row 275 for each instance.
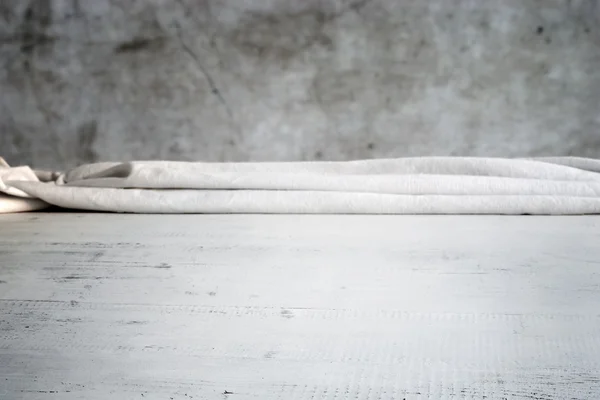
column 231, row 80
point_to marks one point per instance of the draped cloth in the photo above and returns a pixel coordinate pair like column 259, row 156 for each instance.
column 418, row 185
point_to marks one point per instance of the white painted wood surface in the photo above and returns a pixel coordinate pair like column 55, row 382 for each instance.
column 106, row 306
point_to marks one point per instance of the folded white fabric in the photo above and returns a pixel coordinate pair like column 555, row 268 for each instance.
column 12, row 199
column 425, row 185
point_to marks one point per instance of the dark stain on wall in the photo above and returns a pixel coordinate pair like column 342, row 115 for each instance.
column 138, row 44
column 34, row 26
column 280, row 37
column 87, row 134
column 6, row 13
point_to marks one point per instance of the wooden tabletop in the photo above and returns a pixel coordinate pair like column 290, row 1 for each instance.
column 110, row 306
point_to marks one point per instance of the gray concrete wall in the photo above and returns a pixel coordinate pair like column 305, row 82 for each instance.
column 88, row 80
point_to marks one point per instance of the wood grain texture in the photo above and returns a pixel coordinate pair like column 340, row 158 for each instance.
column 106, row 306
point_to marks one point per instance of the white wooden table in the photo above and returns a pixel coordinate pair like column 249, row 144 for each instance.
column 107, row 306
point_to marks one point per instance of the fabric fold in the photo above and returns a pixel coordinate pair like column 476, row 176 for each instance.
column 164, row 172
column 302, row 202
column 12, row 199
column 421, row 185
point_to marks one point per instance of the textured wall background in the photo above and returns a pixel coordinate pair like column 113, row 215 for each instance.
column 88, row 80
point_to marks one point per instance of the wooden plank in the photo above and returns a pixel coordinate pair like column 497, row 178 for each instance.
column 98, row 306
